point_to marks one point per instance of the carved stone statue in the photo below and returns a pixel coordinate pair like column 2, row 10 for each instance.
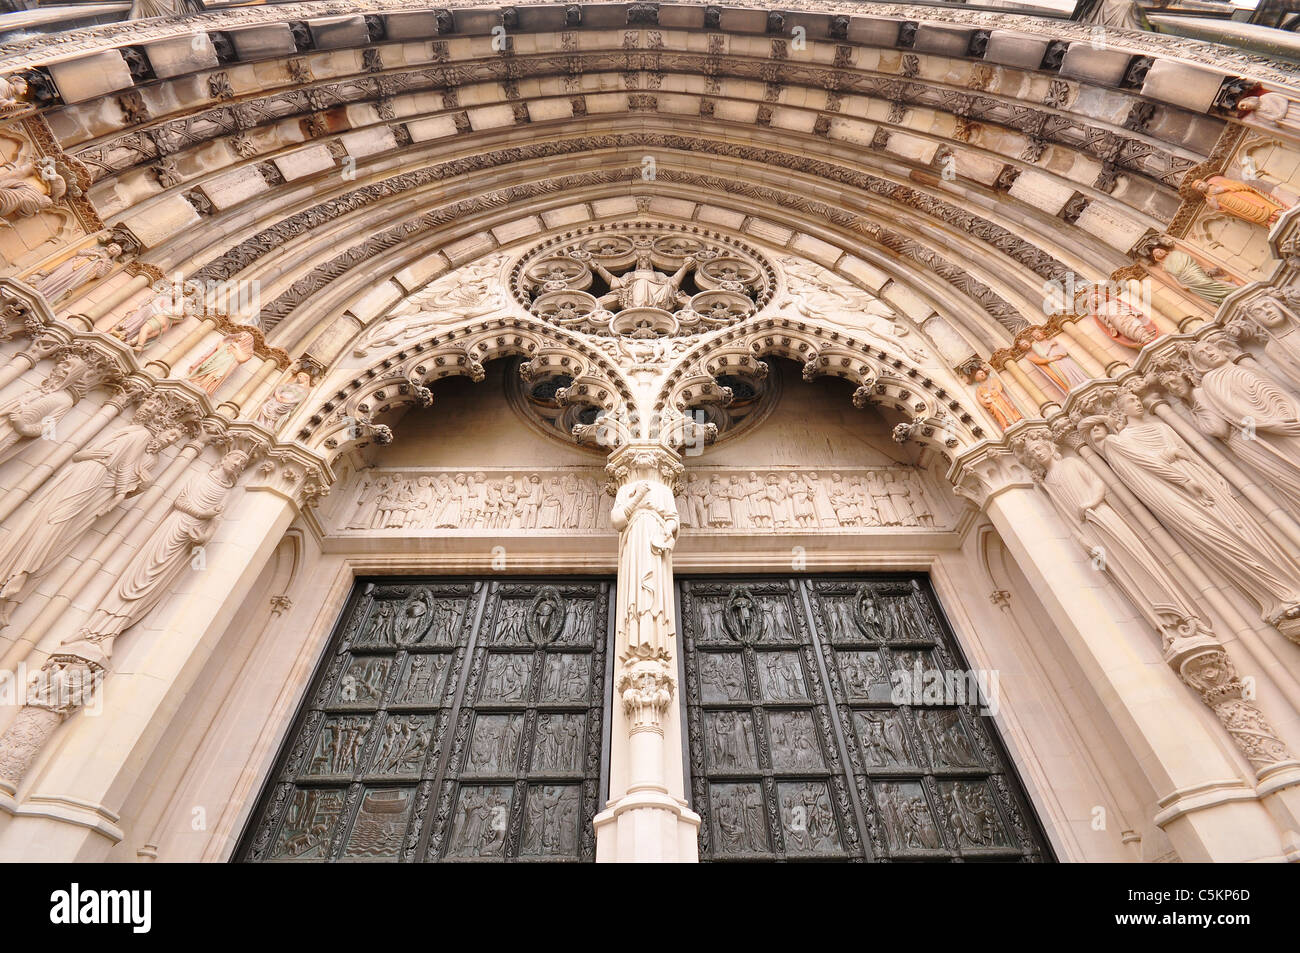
column 645, row 515
column 211, row 370
column 1258, row 420
column 643, row 286
column 1196, row 504
column 20, row 194
column 1080, row 496
column 1270, row 109
column 1047, row 354
column 993, row 397
column 1241, row 200
column 153, row 319
column 283, row 400
column 160, row 560
column 1200, row 277
column 89, row 264
column 55, row 519
column 36, row 412
column 1119, row 320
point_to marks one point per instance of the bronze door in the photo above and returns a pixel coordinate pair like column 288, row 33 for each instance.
column 449, row 720
column 821, row 727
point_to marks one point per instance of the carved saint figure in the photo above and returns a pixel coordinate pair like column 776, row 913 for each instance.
column 167, row 553
column 1047, row 354
column 1201, row 278
column 22, row 197
column 86, row 265
column 37, row 411
column 1258, row 420
column 1271, row 109
column 646, row 517
column 1241, row 200
column 993, row 397
column 93, row 483
column 1079, row 494
column 1120, row 320
column 211, row 370
column 643, row 286
column 153, row 319
column 1193, row 500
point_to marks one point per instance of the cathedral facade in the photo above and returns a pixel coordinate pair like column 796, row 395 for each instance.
column 650, row 432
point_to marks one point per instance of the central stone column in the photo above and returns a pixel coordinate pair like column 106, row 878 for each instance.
column 647, row 817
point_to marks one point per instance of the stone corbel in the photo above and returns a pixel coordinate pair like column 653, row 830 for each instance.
column 646, row 687
column 986, row 470
column 292, row 472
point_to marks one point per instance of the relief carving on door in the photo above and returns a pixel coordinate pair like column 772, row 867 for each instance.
column 451, row 721
column 801, row 746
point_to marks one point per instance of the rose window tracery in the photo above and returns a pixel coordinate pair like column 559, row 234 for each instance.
column 643, row 281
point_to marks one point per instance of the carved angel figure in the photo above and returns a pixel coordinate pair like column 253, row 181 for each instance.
column 153, row 319
column 283, row 400
column 22, row 197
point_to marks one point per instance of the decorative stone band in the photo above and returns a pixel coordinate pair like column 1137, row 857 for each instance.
column 438, row 501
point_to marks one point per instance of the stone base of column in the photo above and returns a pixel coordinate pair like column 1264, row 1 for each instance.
column 647, row 826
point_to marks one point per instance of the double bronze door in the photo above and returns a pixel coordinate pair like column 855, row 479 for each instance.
column 450, row 720
column 834, row 718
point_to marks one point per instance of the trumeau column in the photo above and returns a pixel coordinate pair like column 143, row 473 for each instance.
column 647, row 817
column 1206, row 806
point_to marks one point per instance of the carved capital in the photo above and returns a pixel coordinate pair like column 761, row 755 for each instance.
column 644, row 461
column 646, row 687
column 986, row 470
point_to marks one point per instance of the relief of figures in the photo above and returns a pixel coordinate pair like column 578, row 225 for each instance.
column 309, row 824
column 551, row 821
column 564, row 678
column 971, row 814
column 339, row 746
column 402, row 746
column 380, row 824
column 883, row 743
column 505, row 678
column 722, row 677
column 909, row 825
column 738, row 816
column 479, row 824
column 460, row 500
column 781, row 677
column 578, row 617
column 421, row 619
column 731, row 741
column 807, row 818
column 803, row 500
column 423, row 679
column 864, row 676
column 794, row 741
column 363, row 682
column 946, row 739
column 496, row 739
column 557, row 746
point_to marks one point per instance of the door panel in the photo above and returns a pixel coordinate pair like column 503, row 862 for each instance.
column 450, row 720
column 813, row 734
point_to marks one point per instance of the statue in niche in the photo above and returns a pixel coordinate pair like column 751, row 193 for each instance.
column 283, row 400
column 89, row 264
column 643, row 286
column 216, row 364
column 992, row 396
column 1193, row 273
column 1120, row 321
column 1243, row 200
column 1266, row 108
column 1194, row 502
column 160, row 561
column 22, row 195
column 1047, row 354
column 95, row 481
column 645, row 515
column 153, row 319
